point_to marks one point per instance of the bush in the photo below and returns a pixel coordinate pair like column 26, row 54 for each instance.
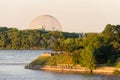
column 117, row 65
column 116, row 72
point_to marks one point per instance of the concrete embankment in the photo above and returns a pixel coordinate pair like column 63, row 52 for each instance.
column 56, row 68
column 101, row 70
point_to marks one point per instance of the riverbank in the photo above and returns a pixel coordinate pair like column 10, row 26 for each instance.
column 98, row 70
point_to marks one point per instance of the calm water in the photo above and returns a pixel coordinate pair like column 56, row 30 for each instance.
column 12, row 68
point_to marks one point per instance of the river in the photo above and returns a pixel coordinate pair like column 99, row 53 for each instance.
column 12, row 64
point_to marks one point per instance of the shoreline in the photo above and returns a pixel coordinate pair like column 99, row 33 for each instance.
column 98, row 70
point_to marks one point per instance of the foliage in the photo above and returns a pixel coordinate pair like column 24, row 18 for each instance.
column 117, row 65
column 76, row 57
column 90, row 50
column 116, row 72
column 12, row 38
column 87, row 58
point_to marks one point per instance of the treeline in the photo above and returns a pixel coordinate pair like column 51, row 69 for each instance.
column 90, row 50
column 12, row 38
column 101, row 47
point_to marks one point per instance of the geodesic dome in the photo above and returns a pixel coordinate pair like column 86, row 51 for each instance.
column 46, row 22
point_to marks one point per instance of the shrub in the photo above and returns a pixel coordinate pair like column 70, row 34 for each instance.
column 116, row 72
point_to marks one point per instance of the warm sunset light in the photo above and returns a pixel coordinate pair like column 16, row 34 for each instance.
column 74, row 15
column 59, row 39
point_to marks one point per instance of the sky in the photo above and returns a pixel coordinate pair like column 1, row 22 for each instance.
column 74, row 15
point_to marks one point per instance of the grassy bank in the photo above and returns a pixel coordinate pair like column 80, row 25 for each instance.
column 64, row 62
column 53, row 60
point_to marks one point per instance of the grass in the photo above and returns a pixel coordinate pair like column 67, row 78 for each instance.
column 53, row 60
column 40, row 61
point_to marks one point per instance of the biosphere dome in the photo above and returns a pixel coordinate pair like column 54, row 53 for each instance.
column 45, row 22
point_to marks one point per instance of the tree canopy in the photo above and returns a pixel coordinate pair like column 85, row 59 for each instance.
column 89, row 50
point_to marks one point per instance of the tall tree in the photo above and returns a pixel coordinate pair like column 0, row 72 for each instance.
column 88, row 59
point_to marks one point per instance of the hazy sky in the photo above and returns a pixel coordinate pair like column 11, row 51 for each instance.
column 74, row 15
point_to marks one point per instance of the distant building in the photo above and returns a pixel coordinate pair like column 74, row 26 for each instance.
column 45, row 22
column 81, row 35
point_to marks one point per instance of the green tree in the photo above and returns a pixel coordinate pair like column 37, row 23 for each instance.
column 76, row 56
column 2, row 40
column 87, row 58
column 3, row 29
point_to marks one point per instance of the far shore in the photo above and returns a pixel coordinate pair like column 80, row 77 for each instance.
column 98, row 70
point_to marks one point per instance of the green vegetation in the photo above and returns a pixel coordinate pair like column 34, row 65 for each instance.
column 116, row 72
column 53, row 60
column 12, row 38
column 88, row 51
column 117, row 65
column 41, row 61
column 87, row 58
